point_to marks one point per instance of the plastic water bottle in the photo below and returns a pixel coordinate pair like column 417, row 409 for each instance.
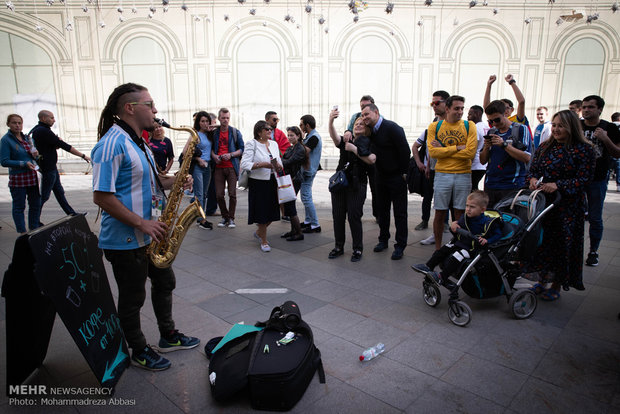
column 372, row 352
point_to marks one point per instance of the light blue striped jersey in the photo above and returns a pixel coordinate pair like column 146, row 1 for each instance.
column 120, row 167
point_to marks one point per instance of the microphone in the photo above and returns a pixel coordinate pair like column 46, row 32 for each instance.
column 162, row 123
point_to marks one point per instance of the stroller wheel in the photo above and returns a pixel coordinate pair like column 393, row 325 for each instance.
column 459, row 313
column 432, row 295
column 523, row 303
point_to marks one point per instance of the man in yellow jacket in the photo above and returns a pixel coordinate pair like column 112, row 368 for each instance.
column 453, row 143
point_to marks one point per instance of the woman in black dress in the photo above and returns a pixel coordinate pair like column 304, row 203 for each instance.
column 349, row 203
column 565, row 163
column 295, row 156
column 262, row 158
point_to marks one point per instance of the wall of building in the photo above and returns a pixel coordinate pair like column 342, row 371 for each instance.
column 218, row 54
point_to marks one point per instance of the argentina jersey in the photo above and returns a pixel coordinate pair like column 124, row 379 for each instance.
column 120, row 167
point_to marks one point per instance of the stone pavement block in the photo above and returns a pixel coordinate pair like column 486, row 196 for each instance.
column 558, row 313
column 384, row 288
column 332, row 319
column 429, row 357
column 227, row 277
column 198, row 293
column 364, row 303
column 602, row 326
column 587, row 351
column 341, row 358
column 326, row 290
column 405, row 317
column 392, row 382
column 486, row 379
column 343, row 398
column 445, row 398
column 512, row 351
column 444, row 332
column 538, row 396
column 226, row 304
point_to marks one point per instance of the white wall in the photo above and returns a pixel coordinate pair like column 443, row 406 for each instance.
column 252, row 64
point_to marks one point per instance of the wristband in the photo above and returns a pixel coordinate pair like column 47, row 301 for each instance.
column 512, row 81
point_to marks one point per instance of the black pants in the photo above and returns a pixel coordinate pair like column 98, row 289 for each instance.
column 131, row 267
column 373, row 188
column 391, row 190
column 495, row 196
column 428, row 197
column 451, row 256
column 349, row 204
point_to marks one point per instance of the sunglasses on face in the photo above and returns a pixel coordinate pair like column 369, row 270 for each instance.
column 437, row 103
column 146, row 103
column 495, row 120
column 267, row 129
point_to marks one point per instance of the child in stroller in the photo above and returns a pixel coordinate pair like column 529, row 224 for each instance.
column 485, row 225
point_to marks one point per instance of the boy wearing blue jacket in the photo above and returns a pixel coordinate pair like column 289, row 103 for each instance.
column 486, row 226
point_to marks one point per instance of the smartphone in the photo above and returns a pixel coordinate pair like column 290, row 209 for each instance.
column 335, row 108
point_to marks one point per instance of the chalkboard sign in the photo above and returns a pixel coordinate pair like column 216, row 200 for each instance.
column 69, row 270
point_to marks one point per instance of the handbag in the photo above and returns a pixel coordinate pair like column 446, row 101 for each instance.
column 286, row 191
column 338, row 181
column 244, row 175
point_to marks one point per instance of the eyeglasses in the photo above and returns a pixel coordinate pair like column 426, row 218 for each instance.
column 275, row 119
column 147, row 103
column 436, row 103
column 495, row 120
column 267, row 129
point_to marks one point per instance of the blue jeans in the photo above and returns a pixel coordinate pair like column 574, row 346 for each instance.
column 596, row 192
column 202, row 178
column 306, row 198
column 19, row 206
column 617, row 170
column 50, row 181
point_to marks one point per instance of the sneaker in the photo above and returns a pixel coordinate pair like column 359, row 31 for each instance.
column 423, row 225
column 231, row 224
column 429, row 240
column 205, row 225
column 265, row 247
column 592, row 259
column 149, row 359
column 422, row 268
column 357, row 256
column 381, row 246
column 286, row 218
column 397, row 254
column 434, row 277
column 304, row 225
column 312, row 229
column 177, row 341
column 223, row 223
column 336, row 251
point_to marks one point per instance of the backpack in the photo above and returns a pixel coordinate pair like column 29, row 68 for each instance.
column 274, row 371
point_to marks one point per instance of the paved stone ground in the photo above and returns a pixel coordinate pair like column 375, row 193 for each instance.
column 566, row 358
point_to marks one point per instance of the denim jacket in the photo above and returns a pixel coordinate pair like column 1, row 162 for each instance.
column 233, row 144
column 13, row 155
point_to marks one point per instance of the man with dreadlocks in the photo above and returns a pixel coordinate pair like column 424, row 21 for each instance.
column 127, row 188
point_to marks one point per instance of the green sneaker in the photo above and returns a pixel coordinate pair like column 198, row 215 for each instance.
column 177, row 341
column 150, row 360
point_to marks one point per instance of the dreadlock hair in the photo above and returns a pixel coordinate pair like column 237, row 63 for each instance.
column 115, row 104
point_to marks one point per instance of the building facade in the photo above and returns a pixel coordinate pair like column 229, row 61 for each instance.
column 294, row 61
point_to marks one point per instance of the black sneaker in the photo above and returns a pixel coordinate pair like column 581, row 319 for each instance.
column 423, row 225
column 150, row 360
column 177, row 341
column 205, row 225
column 592, row 259
column 336, row 251
column 312, row 229
column 381, row 246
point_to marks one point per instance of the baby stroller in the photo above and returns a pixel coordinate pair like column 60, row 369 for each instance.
column 495, row 268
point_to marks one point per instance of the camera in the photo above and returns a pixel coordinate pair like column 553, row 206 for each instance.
column 488, row 137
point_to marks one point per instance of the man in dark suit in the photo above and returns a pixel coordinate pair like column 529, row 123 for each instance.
column 389, row 144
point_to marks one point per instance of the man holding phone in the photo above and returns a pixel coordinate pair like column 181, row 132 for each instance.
column 507, row 150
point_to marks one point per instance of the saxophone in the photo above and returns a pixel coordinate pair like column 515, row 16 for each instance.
column 164, row 252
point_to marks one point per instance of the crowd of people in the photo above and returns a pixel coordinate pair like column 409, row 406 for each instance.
column 570, row 152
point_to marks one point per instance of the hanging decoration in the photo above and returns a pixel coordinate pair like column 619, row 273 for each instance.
column 10, row 5
column 241, row 1
column 184, row 7
column 495, row 10
column 473, row 3
column 455, row 22
column 389, row 8
column 420, row 23
column 428, row 2
column 615, row 7
column 85, row 8
column 226, row 18
column 253, row 12
column 134, row 10
column 559, row 21
column 69, row 26
column 321, row 20
column 591, row 17
column 527, row 20
column 49, row 2
column 308, row 8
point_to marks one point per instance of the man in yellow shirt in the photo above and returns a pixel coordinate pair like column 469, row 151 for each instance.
column 453, row 142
